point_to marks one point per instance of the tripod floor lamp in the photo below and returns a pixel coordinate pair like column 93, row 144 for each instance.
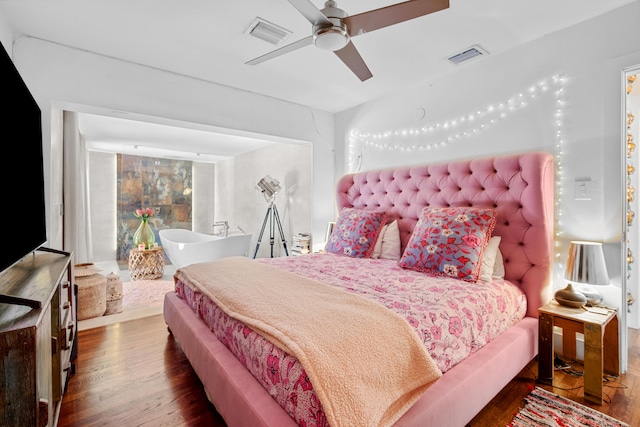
column 269, row 187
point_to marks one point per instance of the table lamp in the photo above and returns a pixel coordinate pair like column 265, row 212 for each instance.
column 585, row 266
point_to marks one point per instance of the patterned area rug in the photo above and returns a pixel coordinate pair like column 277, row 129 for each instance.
column 544, row 408
column 145, row 292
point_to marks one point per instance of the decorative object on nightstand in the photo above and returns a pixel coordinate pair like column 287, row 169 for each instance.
column 585, row 266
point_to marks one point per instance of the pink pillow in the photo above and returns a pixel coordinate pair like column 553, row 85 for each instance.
column 356, row 232
column 450, row 242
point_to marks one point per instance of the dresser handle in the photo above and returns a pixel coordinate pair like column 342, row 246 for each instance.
column 67, row 285
column 65, row 339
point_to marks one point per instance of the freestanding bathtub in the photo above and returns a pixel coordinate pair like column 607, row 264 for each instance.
column 184, row 247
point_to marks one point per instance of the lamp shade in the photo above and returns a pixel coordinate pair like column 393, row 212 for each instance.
column 586, row 264
column 268, row 186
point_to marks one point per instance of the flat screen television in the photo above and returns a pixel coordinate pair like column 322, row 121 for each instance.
column 22, row 215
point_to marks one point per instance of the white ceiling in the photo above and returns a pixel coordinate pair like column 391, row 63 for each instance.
column 142, row 137
column 207, row 40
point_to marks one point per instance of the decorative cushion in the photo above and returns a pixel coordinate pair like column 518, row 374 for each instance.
column 489, row 259
column 388, row 243
column 356, row 232
column 450, row 242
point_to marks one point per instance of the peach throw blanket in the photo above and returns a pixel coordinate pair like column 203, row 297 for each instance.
column 367, row 365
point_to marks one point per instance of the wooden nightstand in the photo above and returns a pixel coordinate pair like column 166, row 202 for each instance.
column 601, row 353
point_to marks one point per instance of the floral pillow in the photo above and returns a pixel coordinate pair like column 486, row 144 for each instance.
column 450, row 242
column 356, row 232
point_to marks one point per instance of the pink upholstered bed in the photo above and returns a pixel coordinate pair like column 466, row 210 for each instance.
column 517, row 189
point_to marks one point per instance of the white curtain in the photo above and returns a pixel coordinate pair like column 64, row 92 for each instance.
column 77, row 218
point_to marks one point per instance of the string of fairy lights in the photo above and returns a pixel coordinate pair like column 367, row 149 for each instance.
column 560, row 135
column 442, row 134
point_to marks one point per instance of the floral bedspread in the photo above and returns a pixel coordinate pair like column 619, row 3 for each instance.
column 453, row 318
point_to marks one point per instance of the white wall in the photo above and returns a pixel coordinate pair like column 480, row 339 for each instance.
column 203, row 207
column 64, row 78
column 222, row 192
column 103, row 190
column 586, row 138
column 589, row 56
column 292, row 166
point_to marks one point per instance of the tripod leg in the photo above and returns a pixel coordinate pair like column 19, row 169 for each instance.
column 277, row 218
column 264, row 223
column 272, row 227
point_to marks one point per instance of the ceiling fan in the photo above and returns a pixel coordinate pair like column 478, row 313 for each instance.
column 333, row 29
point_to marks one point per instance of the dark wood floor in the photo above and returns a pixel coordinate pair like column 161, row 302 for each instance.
column 134, row 374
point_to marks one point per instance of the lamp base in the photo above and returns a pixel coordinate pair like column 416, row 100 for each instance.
column 569, row 297
column 593, row 297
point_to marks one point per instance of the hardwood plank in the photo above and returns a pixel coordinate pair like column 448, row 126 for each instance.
column 134, row 374
column 621, row 395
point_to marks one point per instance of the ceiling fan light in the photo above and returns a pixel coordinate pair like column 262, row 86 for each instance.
column 331, row 38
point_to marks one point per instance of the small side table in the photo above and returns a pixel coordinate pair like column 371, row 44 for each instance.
column 601, row 353
column 146, row 264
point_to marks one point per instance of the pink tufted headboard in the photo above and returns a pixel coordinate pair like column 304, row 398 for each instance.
column 519, row 187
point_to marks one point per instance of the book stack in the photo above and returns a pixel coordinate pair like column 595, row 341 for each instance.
column 301, row 244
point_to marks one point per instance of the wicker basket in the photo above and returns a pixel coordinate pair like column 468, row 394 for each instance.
column 92, row 291
column 114, row 294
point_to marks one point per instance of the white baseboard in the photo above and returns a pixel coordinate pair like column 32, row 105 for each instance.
column 557, row 343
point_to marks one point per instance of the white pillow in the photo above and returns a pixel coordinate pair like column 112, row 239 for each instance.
column 498, row 267
column 378, row 246
column 388, row 244
column 489, row 259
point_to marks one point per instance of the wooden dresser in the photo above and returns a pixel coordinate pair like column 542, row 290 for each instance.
column 37, row 338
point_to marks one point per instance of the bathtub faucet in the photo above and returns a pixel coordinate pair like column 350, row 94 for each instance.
column 225, row 228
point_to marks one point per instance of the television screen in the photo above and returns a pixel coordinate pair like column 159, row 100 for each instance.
column 23, row 210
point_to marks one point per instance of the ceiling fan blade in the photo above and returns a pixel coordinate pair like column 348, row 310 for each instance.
column 385, row 16
column 310, row 12
column 281, row 51
column 352, row 59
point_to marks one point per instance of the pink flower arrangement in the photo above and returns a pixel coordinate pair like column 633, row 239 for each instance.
column 144, row 213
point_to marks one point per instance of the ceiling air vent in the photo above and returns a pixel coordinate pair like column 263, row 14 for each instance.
column 267, row 31
column 467, row 54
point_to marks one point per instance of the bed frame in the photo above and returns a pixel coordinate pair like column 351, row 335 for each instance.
column 519, row 187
